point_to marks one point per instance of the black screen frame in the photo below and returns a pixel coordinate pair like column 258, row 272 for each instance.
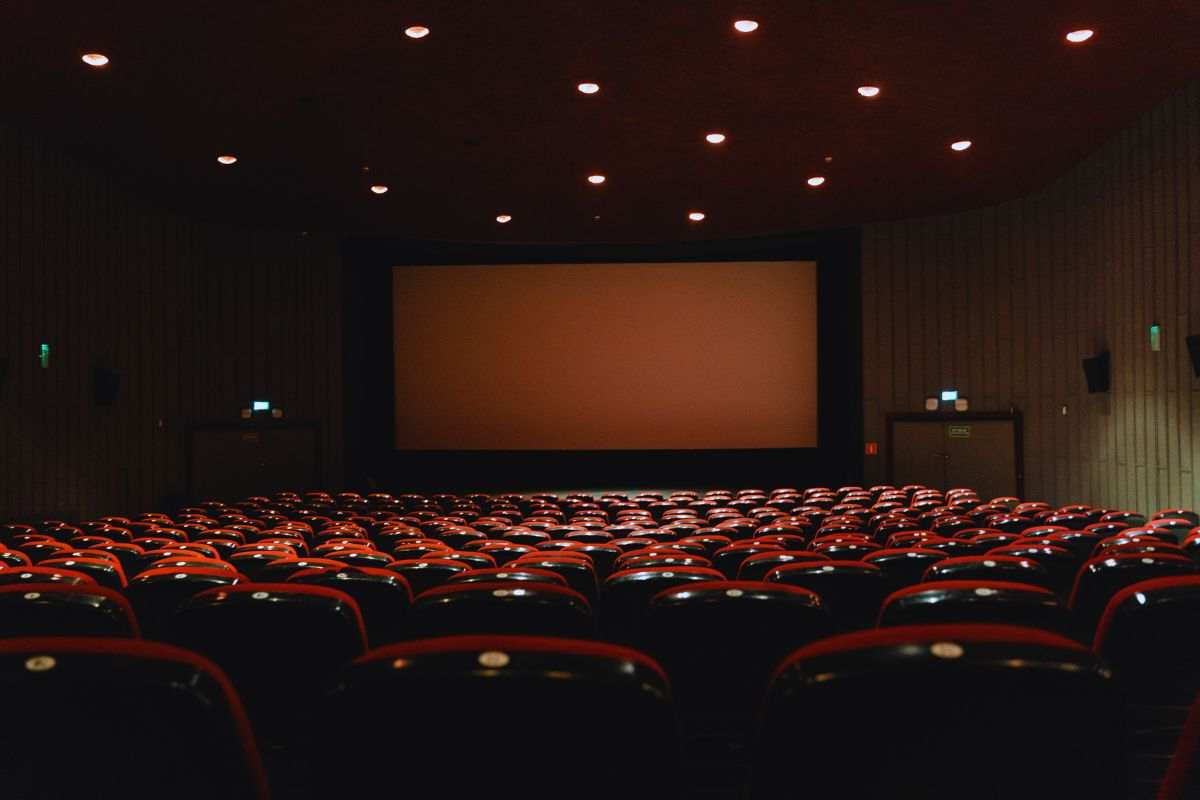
column 374, row 463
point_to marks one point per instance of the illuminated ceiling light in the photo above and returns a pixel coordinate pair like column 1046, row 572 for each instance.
column 714, row 138
column 503, row 219
column 379, row 188
column 828, row 159
column 696, row 216
column 416, row 32
column 227, row 159
column 869, row 91
column 95, row 59
column 745, row 26
column 596, row 179
column 1080, row 36
column 588, row 88
column 965, row 144
column 816, row 180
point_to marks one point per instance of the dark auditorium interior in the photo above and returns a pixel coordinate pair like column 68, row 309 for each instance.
column 600, row 399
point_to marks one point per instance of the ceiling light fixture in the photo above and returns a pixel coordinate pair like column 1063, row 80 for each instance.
column 816, row 180
column 588, row 88
column 504, row 218
column 227, row 159
column 715, row 138
column 696, row 216
column 959, row 146
column 1080, row 36
column 745, row 26
column 869, row 91
column 379, row 188
column 416, row 32
column 95, row 59
column 596, row 179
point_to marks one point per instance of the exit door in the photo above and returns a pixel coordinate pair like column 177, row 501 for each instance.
column 977, row 451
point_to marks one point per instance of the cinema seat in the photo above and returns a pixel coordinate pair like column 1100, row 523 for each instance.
column 904, row 566
column 105, row 571
column 383, row 597
column 576, row 570
column 989, row 568
column 519, row 608
column 508, row 573
column 28, row 575
column 756, row 567
column 1059, row 562
column 975, row 601
column 851, row 590
column 719, row 639
column 527, row 717
column 626, row 594
column 276, row 641
column 940, row 712
column 1099, row 580
column 156, row 593
column 1146, row 634
column 60, row 609
column 423, row 574
column 1182, row 781
column 141, row 711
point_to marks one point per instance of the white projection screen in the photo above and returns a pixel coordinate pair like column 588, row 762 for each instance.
column 671, row 356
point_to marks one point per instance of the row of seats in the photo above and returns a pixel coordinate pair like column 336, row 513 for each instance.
column 723, row 590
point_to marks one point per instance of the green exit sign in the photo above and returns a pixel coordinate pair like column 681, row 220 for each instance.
column 958, row 431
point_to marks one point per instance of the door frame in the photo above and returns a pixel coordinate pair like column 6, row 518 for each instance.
column 1013, row 416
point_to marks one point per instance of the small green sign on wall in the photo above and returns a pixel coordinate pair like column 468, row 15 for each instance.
column 958, row 431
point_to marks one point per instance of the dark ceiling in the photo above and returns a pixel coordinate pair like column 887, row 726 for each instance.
column 482, row 116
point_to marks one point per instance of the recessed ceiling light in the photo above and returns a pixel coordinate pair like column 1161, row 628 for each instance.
column 714, row 138
column 959, row 146
column 828, row 159
column 816, row 180
column 416, row 32
column 869, row 91
column 745, row 26
column 227, row 159
column 95, row 59
column 696, row 216
column 1080, row 36
column 504, row 218
column 596, row 179
column 379, row 188
column 588, row 88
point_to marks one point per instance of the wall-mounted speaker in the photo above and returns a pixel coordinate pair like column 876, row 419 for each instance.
column 1193, row 345
column 106, row 385
column 1096, row 371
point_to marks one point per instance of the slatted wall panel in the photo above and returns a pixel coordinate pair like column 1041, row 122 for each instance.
column 1003, row 303
column 199, row 318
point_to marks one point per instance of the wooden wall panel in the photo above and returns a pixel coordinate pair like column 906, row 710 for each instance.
column 1003, row 303
column 198, row 318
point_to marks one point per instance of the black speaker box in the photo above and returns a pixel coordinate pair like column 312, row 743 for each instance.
column 1096, row 370
column 3, row 372
column 1193, row 345
column 106, row 385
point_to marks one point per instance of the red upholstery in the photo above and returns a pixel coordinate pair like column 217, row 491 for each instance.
column 292, row 589
column 937, row 586
column 745, row 586
column 1123, row 596
column 1180, row 782
column 112, row 595
column 136, row 648
column 542, row 588
column 526, row 644
column 920, row 634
